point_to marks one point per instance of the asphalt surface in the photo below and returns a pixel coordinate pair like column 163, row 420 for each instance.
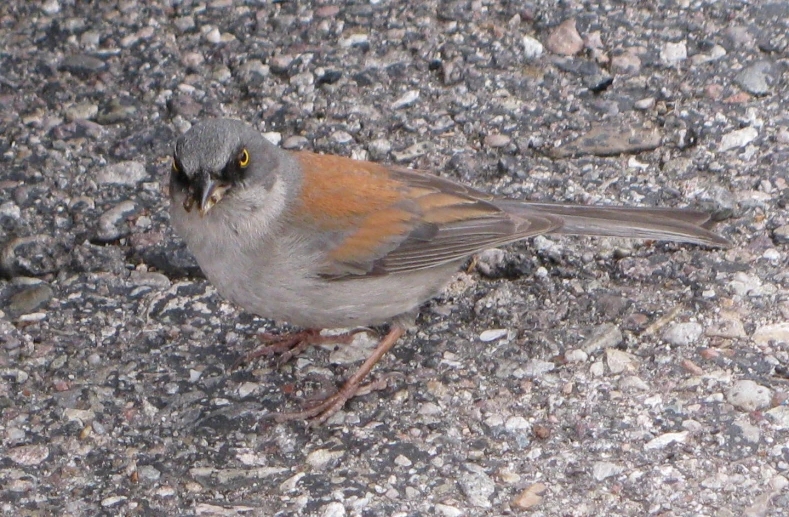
column 559, row 376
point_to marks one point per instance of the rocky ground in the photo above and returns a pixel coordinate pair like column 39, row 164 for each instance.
column 559, row 377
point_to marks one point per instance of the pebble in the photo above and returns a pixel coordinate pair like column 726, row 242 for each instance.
column 148, row 473
column 674, row 53
column 530, row 497
column 122, row 173
column 379, row 148
column 749, row 396
column 11, row 210
column 605, row 336
column 756, row 79
column 28, row 455
column 82, row 65
column 633, row 383
column 116, row 110
column 536, row 368
column 683, row 334
column 497, row 140
column 295, row 142
column 605, row 469
column 477, row 486
column 492, row 335
column 644, row 104
column 576, row 356
column 775, row 333
column 780, row 417
column 81, row 111
column 51, row 7
column 619, row 361
column 333, row 509
column 666, row 439
column 737, row 139
column 532, row 49
column 342, row 137
column 322, row 459
column 715, row 53
column 412, row 152
column 111, row 225
column 626, row 63
column 30, row 299
column 448, row 511
column 608, row 140
column 408, row 99
column 564, row 39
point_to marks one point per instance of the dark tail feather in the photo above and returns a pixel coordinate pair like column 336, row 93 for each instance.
column 668, row 224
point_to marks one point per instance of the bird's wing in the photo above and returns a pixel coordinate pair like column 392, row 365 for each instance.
column 378, row 220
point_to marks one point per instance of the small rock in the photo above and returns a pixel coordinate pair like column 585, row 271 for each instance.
column 412, row 152
column 605, row 336
column 322, row 459
column 492, row 335
column 530, row 497
column 122, row 173
column 749, row 396
column 148, row 473
column 295, row 142
column 666, row 439
column 626, row 63
column 564, row 39
column 379, row 148
column 477, row 486
column 683, row 334
column 756, row 79
column 81, row 111
column 532, row 49
column 448, row 511
column 619, row 361
column 780, row 417
column 605, row 469
column 738, row 138
column 609, row 141
column 497, row 140
column 673, row 53
column 30, row 299
column 537, row 368
column 576, row 356
column 333, row 509
column 406, row 100
column 776, row 333
column 111, row 222
column 633, row 383
column 644, row 104
column 28, row 455
column 82, row 65
column 342, row 137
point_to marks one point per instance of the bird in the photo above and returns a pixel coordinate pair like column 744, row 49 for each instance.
column 323, row 241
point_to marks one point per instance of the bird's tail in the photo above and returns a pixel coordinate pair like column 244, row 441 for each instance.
column 669, row 224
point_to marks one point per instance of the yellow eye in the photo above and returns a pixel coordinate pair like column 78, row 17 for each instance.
column 176, row 170
column 243, row 158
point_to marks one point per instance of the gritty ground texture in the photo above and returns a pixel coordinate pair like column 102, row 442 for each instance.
column 559, row 377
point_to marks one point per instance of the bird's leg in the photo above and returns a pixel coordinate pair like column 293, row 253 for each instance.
column 289, row 345
column 317, row 415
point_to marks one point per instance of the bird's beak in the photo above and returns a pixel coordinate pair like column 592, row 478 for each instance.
column 211, row 193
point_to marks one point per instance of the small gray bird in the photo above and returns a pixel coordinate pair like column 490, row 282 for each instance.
column 326, row 242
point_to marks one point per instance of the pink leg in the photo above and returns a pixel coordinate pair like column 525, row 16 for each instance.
column 319, row 414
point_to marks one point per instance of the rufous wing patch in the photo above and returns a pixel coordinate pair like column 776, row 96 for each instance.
column 337, row 191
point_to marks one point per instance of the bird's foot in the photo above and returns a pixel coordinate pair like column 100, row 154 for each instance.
column 289, row 345
column 320, row 413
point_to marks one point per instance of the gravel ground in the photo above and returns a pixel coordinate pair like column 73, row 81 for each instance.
column 556, row 377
